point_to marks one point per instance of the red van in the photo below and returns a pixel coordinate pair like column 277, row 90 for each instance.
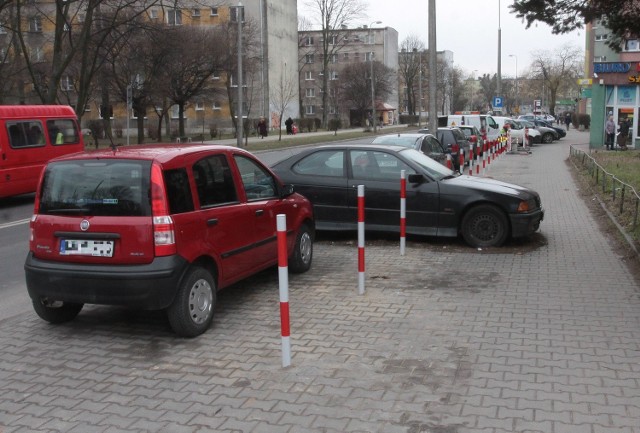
column 31, row 135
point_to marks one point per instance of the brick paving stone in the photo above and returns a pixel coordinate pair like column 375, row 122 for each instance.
column 531, row 342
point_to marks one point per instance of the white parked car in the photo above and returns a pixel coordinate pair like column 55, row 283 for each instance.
column 517, row 130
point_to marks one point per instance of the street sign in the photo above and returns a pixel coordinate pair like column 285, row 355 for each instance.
column 585, row 81
column 497, row 102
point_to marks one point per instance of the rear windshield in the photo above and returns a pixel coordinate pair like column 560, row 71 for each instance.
column 96, row 187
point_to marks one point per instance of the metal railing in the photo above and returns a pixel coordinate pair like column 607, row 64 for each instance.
column 624, row 198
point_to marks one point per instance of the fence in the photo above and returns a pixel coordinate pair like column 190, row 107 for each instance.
column 621, row 197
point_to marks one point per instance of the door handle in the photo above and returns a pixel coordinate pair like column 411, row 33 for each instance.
column 259, row 212
column 212, row 222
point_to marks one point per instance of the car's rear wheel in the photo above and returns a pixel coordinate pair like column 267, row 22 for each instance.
column 302, row 254
column 485, row 226
column 191, row 312
column 56, row 311
column 547, row 138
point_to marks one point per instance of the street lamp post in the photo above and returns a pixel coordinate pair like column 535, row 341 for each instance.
column 240, row 122
column 373, row 92
column 517, row 104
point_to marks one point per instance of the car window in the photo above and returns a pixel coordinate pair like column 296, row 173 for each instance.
column 433, row 168
column 25, row 134
column 322, row 163
column 178, row 191
column 62, row 131
column 376, row 165
column 459, row 136
column 97, row 187
column 214, row 182
column 400, row 140
column 434, row 145
column 257, row 181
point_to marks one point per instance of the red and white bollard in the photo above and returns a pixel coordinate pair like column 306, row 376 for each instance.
column 283, row 278
column 471, row 157
column 403, row 211
column 449, row 163
column 461, row 161
column 361, row 239
column 525, row 141
column 478, row 160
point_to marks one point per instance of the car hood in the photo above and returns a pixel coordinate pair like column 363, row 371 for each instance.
column 490, row 185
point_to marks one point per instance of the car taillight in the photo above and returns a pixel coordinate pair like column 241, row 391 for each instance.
column 455, row 148
column 473, row 139
column 163, row 229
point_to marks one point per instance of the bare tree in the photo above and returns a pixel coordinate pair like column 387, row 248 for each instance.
column 356, row 85
column 282, row 94
column 334, row 18
column 409, row 68
column 559, row 70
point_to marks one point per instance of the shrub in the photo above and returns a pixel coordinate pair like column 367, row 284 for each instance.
column 334, row 125
column 408, row 119
column 583, row 120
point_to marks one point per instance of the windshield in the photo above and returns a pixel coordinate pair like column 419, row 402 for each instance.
column 433, row 168
column 400, row 140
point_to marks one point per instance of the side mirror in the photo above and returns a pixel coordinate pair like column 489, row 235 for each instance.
column 286, row 190
column 415, row 178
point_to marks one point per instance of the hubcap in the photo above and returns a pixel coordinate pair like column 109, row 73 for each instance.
column 200, row 301
column 485, row 228
column 305, row 247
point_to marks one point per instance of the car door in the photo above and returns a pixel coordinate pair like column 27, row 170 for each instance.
column 321, row 176
column 221, row 212
column 379, row 172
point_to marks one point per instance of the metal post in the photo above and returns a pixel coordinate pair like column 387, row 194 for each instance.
column 129, row 106
column 373, row 93
column 240, row 122
column 433, row 67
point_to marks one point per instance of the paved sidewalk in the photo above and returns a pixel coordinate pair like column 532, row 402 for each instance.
column 447, row 339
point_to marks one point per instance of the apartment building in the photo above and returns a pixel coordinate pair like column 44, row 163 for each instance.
column 348, row 46
column 615, row 84
column 274, row 26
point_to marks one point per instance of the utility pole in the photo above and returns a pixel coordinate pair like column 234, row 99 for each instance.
column 433, row 110
column 240, row 122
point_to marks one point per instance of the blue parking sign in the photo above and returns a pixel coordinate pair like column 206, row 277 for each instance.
column 497, row 102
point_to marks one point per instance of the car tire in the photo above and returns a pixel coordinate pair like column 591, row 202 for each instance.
column 485, row 226
column 56, row 311
column 302, row 254
column 191, row 312
column 547, row 138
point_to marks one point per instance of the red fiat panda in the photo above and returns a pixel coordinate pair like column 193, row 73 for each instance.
column 158, row 227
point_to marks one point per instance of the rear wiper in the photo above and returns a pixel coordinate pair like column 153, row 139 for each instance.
column 69, row 210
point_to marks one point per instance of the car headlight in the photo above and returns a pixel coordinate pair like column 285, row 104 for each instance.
column 527, row 206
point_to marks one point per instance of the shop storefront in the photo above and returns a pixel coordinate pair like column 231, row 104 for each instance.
column 615, row 92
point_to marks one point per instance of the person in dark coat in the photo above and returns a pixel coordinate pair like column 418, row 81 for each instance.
column 625, row 125
column 567, row 119
column 262, row 127
column 289, row 124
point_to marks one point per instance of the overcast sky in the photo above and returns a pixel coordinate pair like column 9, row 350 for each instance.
column 469, row 28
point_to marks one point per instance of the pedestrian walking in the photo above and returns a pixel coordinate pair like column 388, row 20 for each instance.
column 262, row 127
column 289, row 124
column 567, row 119
column 610, row 130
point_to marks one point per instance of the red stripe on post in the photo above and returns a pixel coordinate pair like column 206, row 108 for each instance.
column 282, row 248
column 284, row 319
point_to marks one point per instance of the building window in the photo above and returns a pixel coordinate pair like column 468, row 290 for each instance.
column 600, row 59
column 80, row 18
column 333, row 75
column 215, row 75
column 345, row 56
column 214, row 12
column 35, row 24
column 216, row 106
column 603, row 37
column 66, row 83
column 66, row 27
column 333, row 58
column 632, row 45
column 333, row 109
column 37, row 55
column 368, row 56
column 310, row 92
column 199, row 106
column 308, row 58
column 174, row 17
column 310, row 109
column 195, row 13
column 153, row 13
column 356, row 57
column 308, row 40
column 333, row 40
column 308, row 75
column 174, row 111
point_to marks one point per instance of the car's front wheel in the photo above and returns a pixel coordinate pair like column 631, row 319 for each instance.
column 191, row 312
column 302, row 254
column 56, row 311
column 547, row 138
column 485, row 226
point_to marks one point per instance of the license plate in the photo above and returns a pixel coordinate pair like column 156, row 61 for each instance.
column 70, row 247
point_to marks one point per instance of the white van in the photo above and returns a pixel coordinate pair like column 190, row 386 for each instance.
column 484, row 122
